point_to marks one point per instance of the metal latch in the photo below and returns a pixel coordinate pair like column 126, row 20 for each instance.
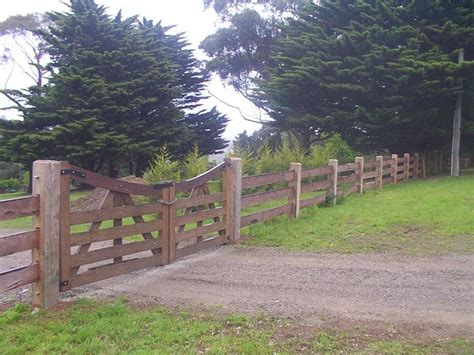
column 73, row 173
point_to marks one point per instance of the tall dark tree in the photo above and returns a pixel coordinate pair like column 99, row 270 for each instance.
column 120, row 90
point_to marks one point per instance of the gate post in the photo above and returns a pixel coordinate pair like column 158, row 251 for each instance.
column 233, row 192
column 406, row 167
column 47, row 183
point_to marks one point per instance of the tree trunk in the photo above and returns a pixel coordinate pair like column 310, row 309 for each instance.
column 457, row 127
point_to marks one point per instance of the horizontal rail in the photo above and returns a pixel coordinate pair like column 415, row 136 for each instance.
column 115, row 251
column 18, row 277
column 266, row 179
column 199, row 200
column 114, row 233
column 194, row 248
column 370, row 175
column 199, row 216
column 308, row 202
column 114, row 213
column 348, row 191
column 264, row 215
column 400, row 168
column 322, row 170
column 368, row 185
column 370, row 164
column 199, row 231
column 98, row 180
column 203, row 178
column 314, row 186
column 19, row 207
column 346, row 179
column 347, row 167
column 111, row 270
column 19, row 242
column 255, row 199
column 387, row 171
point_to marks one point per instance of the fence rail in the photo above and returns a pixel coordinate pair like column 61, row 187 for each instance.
column 124, row 234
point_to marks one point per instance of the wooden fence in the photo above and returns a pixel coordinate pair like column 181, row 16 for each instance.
column 136, row 226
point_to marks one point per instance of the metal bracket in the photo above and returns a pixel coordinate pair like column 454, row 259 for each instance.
column 167, row 203
column 64, row 283
column 163, row 184
column 73, row 173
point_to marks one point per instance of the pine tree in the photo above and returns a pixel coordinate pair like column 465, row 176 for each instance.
column 120, row 90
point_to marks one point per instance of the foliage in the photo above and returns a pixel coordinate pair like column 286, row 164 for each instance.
column 381, row 221
column 265, row 159
column 163, row 167
column 9, row 170
column 9, row 185
column 195, row 163
column 119, row 90
column 91, row 326
column 381, row 73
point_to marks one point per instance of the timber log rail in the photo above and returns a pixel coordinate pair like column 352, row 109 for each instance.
column 135, row 226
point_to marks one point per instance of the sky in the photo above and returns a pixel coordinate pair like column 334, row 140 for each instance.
column 189, row 16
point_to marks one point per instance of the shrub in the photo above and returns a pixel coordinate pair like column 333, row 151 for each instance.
column 9, row 185
column 162, row 168
column 195, row 163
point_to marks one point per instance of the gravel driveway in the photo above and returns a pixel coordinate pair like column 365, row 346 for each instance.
column 361, row 287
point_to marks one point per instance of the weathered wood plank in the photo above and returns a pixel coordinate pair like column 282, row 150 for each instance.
column 199, row 200
column 203, row 178
column 370, row 175
column 111, row 270
column 115, row 232
column 264, row 215
column 266, row 179
column 368, row 185
column 314, row 186
column 19, row 242
column 370, row 164
column 19, row 207
column 199, row 216
column 347, row 167
column 115, row 251
column 194, row 248
column 199, row 231
column 320, row 171
column 114, row 213
column 312, row 201
column 18, row 277
column 233, row 196
column 255, row 199
column 64, row 229
column 387, row 171
column 345, row 179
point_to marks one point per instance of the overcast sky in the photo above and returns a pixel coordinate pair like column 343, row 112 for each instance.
column 188, row 16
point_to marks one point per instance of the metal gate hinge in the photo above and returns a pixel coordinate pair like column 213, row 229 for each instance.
column 73, row 173
column 167, row 203
column 64, row 283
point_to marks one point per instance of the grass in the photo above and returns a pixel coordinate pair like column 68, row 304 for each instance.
column 90, row 326
column 421, row 217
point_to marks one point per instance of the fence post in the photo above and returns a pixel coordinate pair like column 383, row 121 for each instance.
column 360, row 183
column 394, row 167
column 406, row 167
column 379, row 170
column 168, row 249
column 423, row 165
column 333, row 188
column 46, row 184
column 295, row 184
column 233, row 193
column 65, row 229
column 416, row 165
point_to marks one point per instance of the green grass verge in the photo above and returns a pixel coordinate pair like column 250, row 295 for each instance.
column 430, row 216
column 92, row 327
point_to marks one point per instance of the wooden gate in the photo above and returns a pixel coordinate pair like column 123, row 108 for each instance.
column 135, row 226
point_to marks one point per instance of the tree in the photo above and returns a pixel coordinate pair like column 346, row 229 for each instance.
column 120, row 89
column 25, row 52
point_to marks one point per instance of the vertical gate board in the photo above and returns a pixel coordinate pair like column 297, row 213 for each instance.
column 118, row 201
column 65, row 230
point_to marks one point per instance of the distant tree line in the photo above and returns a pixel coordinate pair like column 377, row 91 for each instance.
column 118, row 90
column 383, row 74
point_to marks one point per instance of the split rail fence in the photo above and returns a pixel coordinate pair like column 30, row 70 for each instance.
column 137, row 226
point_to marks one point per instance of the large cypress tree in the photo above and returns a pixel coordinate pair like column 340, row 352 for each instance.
column 120, row 89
